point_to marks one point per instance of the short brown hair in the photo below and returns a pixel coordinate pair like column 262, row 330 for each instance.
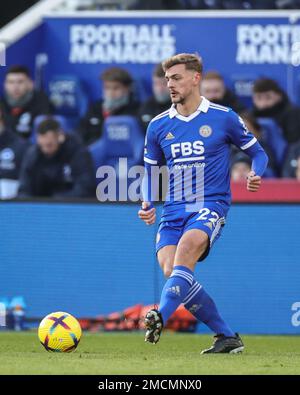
column 213, row 75
column 117, row 74
column 19, row 69
column 191, row 61
column 266, row 84
column 48, row 125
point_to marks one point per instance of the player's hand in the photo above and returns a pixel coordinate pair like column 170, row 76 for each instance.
column 146, row 214
column 253, row 182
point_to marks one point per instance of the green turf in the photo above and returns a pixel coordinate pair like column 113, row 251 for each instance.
column 126, row 353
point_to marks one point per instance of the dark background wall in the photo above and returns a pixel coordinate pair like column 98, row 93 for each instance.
column 9, row 10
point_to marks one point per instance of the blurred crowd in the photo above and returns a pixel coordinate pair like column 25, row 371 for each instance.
column 41, row 155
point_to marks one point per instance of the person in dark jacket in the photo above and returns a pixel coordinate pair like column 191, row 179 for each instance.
column 214, row 89
column 57, row 166
column 117, row 100
column 12, row 151
column 160, row 100
column 270, row 101
column 21, row 103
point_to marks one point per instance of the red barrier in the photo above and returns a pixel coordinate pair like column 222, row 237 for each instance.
column 272, row 191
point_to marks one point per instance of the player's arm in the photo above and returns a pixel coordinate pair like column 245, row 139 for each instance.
column 150, row 183
column 241, row 137
column 259, row 165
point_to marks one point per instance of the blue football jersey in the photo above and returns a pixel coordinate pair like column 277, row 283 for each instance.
column 197, row 152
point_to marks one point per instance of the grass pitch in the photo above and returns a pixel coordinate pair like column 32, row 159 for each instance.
column 126, row 353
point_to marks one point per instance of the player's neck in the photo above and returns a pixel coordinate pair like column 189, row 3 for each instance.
column 190, row 106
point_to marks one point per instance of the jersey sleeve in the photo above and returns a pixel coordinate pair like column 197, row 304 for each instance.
column 152, row 151
column 237, row 132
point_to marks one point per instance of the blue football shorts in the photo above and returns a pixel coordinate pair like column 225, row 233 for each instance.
column 210, row 219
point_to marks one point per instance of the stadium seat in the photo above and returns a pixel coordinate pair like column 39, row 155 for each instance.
column 98, row 153
column 122, row 138
column 65, row 125
column 273, row 137
column 68, row 97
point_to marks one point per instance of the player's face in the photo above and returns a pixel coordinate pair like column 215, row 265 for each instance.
column 264, row 100
column 49, row 143
column 213, row 89
column 181, row 83
column 17, row 85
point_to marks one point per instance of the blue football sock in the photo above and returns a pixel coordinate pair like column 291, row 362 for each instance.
column 175, row 290
column 201, row 305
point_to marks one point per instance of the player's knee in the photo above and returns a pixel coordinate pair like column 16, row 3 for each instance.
column 167, row 267
column 168, row 271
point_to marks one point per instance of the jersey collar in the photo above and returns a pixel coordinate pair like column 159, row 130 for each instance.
column 203, row 107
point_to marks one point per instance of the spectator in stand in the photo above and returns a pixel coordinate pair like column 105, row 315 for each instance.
column 240, row 167
column 291, row 167
column 57, row 166
column 239, row 156
column 270, row 101
column 117, row 100
column 12, row 151
column 214, row 89
column 160, row 100
column 21, row 103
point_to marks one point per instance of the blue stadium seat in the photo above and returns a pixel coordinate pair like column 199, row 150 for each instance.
column 68, row 97
column 65, row 125
column 273, row 137
column 98, row 152
column 122, row 138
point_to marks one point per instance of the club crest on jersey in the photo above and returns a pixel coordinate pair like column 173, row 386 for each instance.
column 205, row 131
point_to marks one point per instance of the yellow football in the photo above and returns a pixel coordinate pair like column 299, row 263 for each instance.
column 59, row 332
